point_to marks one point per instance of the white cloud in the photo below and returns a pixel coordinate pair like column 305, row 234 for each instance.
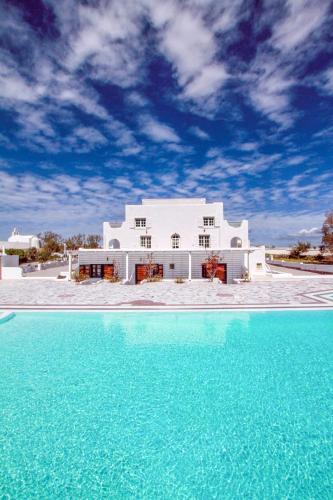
column 207, row 82
column 156, row 131
column 310, row 232
column 248, row 146
column 103, row 39
column 269, row 91
column 296, row 160
column 14, row 87
column 296, row 32
column 198, row 132
column 189, row 44
column 327, row 80
column 303, row 18
column 90, row 134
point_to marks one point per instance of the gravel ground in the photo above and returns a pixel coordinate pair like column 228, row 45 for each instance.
column 47, row 292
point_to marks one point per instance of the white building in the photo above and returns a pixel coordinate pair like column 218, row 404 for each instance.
column 181, row 234
column 21, row 241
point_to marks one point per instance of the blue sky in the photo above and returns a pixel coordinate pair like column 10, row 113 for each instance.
column 105, row 102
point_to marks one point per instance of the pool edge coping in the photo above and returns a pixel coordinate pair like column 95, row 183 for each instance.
column 169, row 308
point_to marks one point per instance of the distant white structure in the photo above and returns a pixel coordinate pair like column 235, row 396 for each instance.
column 21, row 241
column 181, row 234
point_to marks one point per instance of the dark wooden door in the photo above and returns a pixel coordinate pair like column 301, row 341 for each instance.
column 141, row 271
column 96, row 271
column 221, row 271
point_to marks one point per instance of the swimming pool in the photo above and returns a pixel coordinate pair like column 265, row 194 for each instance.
column 166, row 405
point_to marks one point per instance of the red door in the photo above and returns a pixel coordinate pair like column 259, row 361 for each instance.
column 141, row 271
column 108, row 271
column 221, row 271
column 85, row 271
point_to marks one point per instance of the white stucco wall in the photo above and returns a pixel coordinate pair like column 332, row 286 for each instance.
column 10, row 273
column 181, row 216
column 257, row 262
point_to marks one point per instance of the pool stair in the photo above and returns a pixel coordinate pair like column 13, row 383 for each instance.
column 6, row 316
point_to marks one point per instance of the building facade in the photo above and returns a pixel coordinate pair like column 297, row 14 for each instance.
column 177, row 237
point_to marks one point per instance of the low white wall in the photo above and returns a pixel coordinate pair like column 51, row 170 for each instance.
column 257, row 262
column 318, row 268
column 35, row 266
column 11, row 273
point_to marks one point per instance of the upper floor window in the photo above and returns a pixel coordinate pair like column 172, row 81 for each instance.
column 209, row 221
column 145, row 241
column 175, row 241
column 204, row 240
column 140, row 222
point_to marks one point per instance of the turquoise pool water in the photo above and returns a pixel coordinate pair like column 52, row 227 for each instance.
column 167, row 405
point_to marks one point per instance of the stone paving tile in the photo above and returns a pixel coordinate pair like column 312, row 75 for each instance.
column 45, row 292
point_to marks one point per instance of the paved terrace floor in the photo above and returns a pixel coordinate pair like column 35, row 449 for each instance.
column 292, row 292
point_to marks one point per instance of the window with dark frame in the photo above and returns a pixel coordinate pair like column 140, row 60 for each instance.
column 209, row 221
column 204, row 240
column 175, row 241
column 145, row 241
column 140, row 222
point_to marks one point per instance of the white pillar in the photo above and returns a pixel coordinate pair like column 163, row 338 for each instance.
column 70, row 267
column 189, row 266
column 248, row 263
column 127, row 267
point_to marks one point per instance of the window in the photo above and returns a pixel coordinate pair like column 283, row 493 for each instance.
column 209, row 221
column 175, row 241
column 171, row 267
column 140, row 222
column 204, row 240
column 145, row 241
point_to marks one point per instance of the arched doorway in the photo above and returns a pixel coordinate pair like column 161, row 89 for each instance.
column 236, row 242
column 114, row 244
